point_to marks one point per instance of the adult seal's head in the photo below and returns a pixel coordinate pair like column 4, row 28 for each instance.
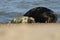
column 24, row 19
column 42, row 15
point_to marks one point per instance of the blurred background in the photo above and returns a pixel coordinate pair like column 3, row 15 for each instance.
column 10, row 9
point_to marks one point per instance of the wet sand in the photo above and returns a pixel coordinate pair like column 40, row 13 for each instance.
column 48, row 31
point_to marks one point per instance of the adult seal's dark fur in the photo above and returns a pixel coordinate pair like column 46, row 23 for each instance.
column 42, row 15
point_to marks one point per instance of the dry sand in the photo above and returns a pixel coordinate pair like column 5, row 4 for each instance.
column 48, row 31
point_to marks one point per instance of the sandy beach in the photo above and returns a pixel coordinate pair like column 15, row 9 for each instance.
column 48, row 31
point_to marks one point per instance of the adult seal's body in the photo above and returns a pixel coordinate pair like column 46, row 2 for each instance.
column 42, row 15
